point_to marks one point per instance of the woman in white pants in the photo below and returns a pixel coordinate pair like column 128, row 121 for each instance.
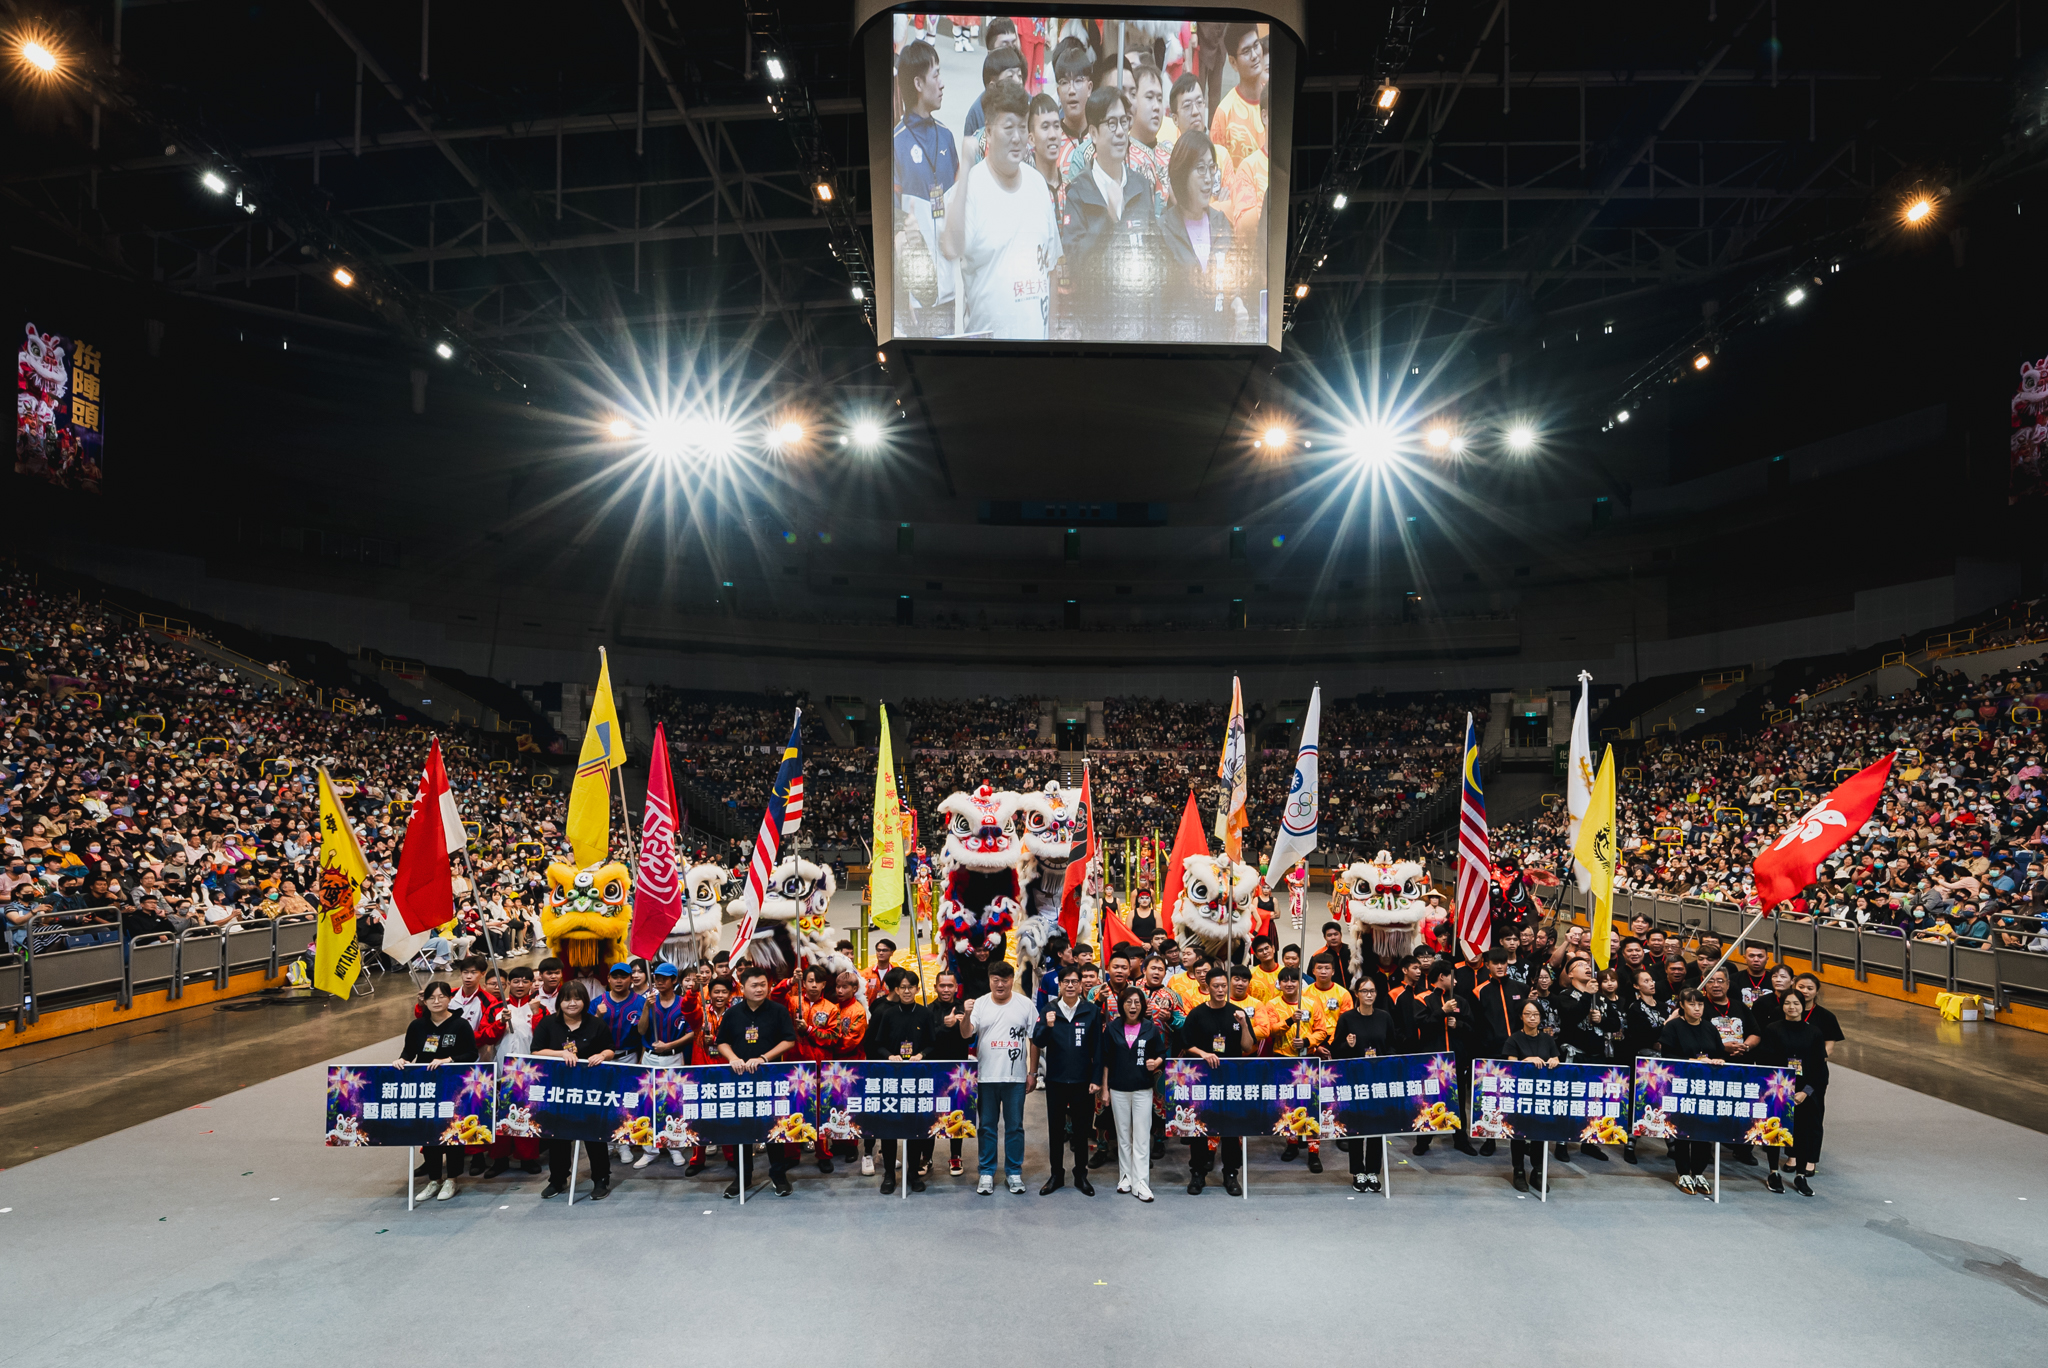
column 1133, row 1051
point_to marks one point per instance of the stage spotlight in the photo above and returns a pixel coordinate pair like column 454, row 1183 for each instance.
column 1301, row 291
column 39, row 56
column 1919, row 209
column 1457, row 446
column 866, row 433
column 1621, row 416
column 1372, row 444
column 859, row 294
column 619, row 427
column 824, row 189
column 1275, row 437
column 344, row 277
column 1521, row 439
column 214, row 183
column 774, row 65
column 444, row 351
column 1439, row 438
column 789, row 434
column 1386, row 97
column 1797, row 296
column 1702, row 361
column 1340, row 200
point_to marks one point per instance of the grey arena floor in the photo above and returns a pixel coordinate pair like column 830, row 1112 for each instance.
column 225, row 1234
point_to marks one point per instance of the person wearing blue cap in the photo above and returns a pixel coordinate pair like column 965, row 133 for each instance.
column 619, row 1011
column 667, row 1026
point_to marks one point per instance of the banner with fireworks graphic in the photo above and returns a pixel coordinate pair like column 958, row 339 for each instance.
column 553, row 1099
column 1240, row 1097
column 1406, row 1094
column 1684, row 1099
column 1513, row 1099
column 382, row 1104
column 715, row 1104
column 859, row 1098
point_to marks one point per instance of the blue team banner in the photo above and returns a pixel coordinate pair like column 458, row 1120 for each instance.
column 555, row 1100
column 1409, row 1094
column 1512, row 1099
column 382, row 1104
column 1683, row 1099
column 863, row 1098
column 715, row 1104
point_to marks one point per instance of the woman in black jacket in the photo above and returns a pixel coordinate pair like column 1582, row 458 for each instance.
column 1364, row 1033
column 1132, row 1051
column 1643, row 1015
column 1801, row 1045
column 1688, row 1036
column 577, row 1036
column 436, row 1036
column 1204, row 288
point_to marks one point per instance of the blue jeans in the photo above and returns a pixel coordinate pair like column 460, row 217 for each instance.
column 1007, row 1101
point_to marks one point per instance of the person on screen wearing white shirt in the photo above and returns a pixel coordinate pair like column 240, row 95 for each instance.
column 1000, row 1025
column 1000, row 228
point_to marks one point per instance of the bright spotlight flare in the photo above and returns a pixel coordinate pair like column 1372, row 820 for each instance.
column 619, row 427
column 1919, row 209
column 789, row 434
column 1372, row 445
column 1521, row 439
column 1274, row 438
column 866, row 433
column 39, row 56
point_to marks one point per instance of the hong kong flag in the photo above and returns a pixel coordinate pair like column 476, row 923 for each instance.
column 1789, row 864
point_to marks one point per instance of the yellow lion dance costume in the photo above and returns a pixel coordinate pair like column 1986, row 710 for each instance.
column 586, row 917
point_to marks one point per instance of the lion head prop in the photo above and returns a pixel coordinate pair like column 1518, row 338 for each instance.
column 1386, row 896
column 1054, row 828
column 695, row 935
column 983, row 861
column 1215, row 905
column 791, row 927
column 586, row 917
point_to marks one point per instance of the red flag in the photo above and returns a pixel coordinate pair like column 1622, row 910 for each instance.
column 1077, row 870
column 423, row 891
column 1789, row 864
column 658, row 893
column 1116, row 931
column 1189, row 840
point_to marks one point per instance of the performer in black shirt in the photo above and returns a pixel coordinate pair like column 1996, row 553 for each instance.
column 1688, row 1036
column 435, row 1036
column 1213, row 1030
column 1364, row 1032
column 900, row 1027
column 753, row 1032
column 573, row 1034
column 1797, row 1043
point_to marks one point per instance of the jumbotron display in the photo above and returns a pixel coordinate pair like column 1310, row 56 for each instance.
column 1078, row 180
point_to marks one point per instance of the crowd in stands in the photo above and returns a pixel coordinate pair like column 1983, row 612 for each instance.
column 1955, row 851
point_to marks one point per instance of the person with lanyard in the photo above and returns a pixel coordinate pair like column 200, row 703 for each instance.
column 1643, row 1014
column 753, row 1032
column 1770, row 1006
column 1292, row 1026
column 1739, row 1036
column 1532, row 1045
column 1807, row 985
column 619, row 1010
column 1583, row 1031
column 900, row 1030
column 1212, row 1031
column 926, row 159
column 1797, row 1044
column 668, row 1027
column 1131, row 1051
column 438, row 1035
column 577, row 1036
column 1334, row 950
column 1441, row 1015
column 1401, row 998
column 1326, row 992
column 1364, row 1032
column 947, row 1043
column 836, row 1026
column 1497, row 1006
column 1265, row 969
column 1066, row 1041
column 716, row 996
column 1690, row 1036
column 1000, row 1026
column 1753, row 983
column 517, row 1018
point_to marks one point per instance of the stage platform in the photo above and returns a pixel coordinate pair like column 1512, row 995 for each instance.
column 224, row 1233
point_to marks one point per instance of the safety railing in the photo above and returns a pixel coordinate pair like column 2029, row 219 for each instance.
column 2002, row 974
column 165, row 960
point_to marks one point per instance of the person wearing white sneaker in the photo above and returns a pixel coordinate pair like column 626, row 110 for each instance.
column 1000, row 1025
column 984, row 1185
column 1130, row 1052
column 1688, row 1036
column 438, row 1035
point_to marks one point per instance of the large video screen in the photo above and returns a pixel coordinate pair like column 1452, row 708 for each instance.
column 59, row 428
column 1079, row 180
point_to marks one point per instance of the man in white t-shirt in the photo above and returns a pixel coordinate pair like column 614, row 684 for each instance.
column 1000, row 227
column 1000, row 1026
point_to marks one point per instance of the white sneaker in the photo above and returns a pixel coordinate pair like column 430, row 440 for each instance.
column 984, row 1186
column 644, row 1160
column 1141, row 1192
column 867, row 1166
column 445, row 1191
column 1123, row 1185
column 625, row 1154
column 675, row 1156
column 1016, row 1185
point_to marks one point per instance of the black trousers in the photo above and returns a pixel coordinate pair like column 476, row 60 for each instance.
column 1807, row 1126
column 1529, row 1152
column 920, row 1152
column 1366, row 1153
column 1200, row 1160
column 1693, row 1156
column 598, row 1156
column 1069, row 1119
column 436, row 1156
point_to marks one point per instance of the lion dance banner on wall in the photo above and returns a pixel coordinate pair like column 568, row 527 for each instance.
column 58, row 423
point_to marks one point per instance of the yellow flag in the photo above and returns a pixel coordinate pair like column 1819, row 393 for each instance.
column 590, row 797
column 885, row 866
column 344, row 877
column 1599, row 851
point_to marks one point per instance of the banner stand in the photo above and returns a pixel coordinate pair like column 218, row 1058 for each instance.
column 903, row 1163
column 1717, row 1173
column 410, row 1177
column 575, row 1156
column 741, row 1150
column 1543, row 1181
column 1244, row 1169
column 1386, row 1172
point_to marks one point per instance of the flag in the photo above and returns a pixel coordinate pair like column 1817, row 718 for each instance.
column 1077, row 870
column 344, row 878
column 1578, row 778
column 590, row 797
column 1598, row 848
column 423, row 892
column 783, row 815
column 658, row 891
column 1189, row 840
column 1230, row 818
column 885, row 862
column 1116, row 931
column 1789, row 864
column 1475, row 864
column 1298, row 818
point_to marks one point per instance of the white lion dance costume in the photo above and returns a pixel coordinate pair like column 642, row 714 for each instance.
column 1386, row 896
column 1052, row 837
column 790, row 931
column 1214, row 910
column 695, row 937
column 982, row 863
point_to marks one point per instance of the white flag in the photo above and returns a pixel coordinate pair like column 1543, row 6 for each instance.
column 1298, row 818
column 1578, row 779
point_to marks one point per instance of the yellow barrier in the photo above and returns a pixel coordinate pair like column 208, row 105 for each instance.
column 541, row 781
column 150, row 722
column 1669, row 835
column 501, row 767
column 1788, row 794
